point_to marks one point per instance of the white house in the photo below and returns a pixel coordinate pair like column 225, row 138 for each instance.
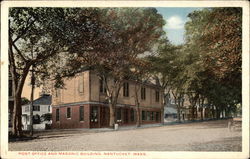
column 41, row 106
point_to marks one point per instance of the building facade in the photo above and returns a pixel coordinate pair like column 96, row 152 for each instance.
column 82, row 103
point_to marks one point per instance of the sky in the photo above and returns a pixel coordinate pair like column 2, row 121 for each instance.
column 175, row 20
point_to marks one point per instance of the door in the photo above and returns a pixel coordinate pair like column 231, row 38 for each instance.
column 104, row 116
column 94, row 119
column 126, row 116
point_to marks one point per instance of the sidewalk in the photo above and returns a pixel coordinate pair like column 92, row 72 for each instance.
column 92, row 130
column 120, row 128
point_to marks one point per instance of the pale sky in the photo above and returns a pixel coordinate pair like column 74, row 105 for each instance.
column 175, row 20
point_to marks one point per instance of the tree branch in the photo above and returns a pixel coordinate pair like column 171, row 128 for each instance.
column 25, row 30
column 19, row 52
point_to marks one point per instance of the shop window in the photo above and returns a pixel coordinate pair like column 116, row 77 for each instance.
column 94, row 114
column 152, row 116
column 68, row 112
column 125, row 89
column 57, row 114
column 81, row 113
column 157, row 116
column 143, row 115
column 119, row 114
column 148, row 115
column 132, row 115
column 143, row 93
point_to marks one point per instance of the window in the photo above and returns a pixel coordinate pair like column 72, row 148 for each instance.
column 157, row 96
column 102, row 86
column 48, row 108
column 81, row 113
column 94, row 114
column 148, row 115
column 80, row 84
column 57, row 93
column 157, row 116
column 68, row 112
column 132, row 115
column 152, row 116
column 143, row 115
column 143, row 93
column 27, row 108
column 119, row 114
column 57, row 114
column 36, row 107
column 126, row 89
column 10, row 88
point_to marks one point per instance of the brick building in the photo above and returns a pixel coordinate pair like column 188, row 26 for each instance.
column 82, row 103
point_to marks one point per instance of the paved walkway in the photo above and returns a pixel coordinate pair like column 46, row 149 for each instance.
column 198, row 136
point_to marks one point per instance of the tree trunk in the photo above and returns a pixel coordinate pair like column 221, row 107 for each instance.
column 217, row 113
column 138, row 119
column 112, row 115
column 17, row 110
column 178, row 113
column 17, row 116
column 31, row 103
column 137, row 104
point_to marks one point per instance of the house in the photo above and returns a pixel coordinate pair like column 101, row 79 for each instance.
column 41, row 106
column 83, row 104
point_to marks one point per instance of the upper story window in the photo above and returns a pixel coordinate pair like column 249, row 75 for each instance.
column 27, row 108
column 48, row 108
column 143, row 93
column 36, row 107
column 102, row 86
column 125, row 89
column 68, row 112
column 57, row 92
column 80, row 84
column 157, row 96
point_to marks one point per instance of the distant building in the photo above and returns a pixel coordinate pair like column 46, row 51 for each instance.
column 41, row 106
column 83, row 104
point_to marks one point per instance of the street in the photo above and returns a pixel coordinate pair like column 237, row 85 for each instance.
column 197, row 136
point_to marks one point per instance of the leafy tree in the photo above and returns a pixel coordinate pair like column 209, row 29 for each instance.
column 167, row 70
column 214, row 36
column 25, row 101
column 33, row 38
column 40, row 37
column 127, row 33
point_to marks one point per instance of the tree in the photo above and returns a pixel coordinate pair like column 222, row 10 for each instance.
column 32, row 31
column 24, row 101
column 140, row 73
column 127, row 33
column 214, row 35
column 166, row 69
